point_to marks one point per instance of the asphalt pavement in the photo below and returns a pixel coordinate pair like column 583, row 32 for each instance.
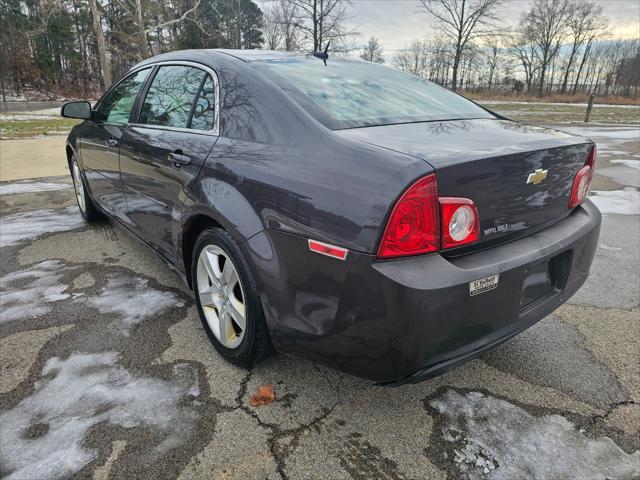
column 106, row 372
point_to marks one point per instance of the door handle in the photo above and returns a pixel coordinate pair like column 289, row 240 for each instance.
column 111, row 143
column 178, row 159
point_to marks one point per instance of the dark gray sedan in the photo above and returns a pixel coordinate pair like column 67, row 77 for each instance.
column 349, row 213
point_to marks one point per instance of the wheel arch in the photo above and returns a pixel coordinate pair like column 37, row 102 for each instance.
column 197, row 223
column 214, row 203
column 191, row 230
column 70, row 153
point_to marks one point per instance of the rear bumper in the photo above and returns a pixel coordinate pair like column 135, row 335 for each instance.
column 407, row 320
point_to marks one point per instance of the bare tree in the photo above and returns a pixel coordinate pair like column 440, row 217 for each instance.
column 440, row 55
column 617, row 56
column 105, row 64
column 598, row 31
column 493, row 44
column 372, row 52
column 287, row 15
column 629, row 72
column 323, row 20
column 546, row 26
column 135, row 10
column 524, row 49
column 140, row 30
column 272, row 29
column 469, row 67
column 461, row 21
column 281, row 27
column 413, row 58
column 585, row 23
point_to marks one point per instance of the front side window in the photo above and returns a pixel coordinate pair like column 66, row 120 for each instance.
column 117, row 105
column 171, row 95
column 204, row 113
column 348, row 94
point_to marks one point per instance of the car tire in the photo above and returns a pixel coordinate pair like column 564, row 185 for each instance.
column 86, row 206
column 228, row 303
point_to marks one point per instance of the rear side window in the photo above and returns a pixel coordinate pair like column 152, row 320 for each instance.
column 204, row 112
column 117, row 105
column 170, row 98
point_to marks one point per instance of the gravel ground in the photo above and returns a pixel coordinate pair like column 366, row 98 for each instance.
column 105, row 371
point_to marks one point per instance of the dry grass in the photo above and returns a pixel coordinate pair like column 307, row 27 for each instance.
column 555, row 98
column 29, row 128
column 553, row 113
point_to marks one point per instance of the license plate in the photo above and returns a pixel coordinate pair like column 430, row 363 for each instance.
column 483, row 285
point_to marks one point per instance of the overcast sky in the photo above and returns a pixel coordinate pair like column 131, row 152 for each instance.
column 397, row 22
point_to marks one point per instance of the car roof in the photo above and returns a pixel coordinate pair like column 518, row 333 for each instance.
column 253, row 55
column 242, row 55
column 227, row 56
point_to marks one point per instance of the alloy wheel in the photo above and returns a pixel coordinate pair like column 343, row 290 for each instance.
column 78, row 186
column 221, row 296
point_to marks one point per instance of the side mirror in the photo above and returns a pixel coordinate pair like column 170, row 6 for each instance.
column 81, row 110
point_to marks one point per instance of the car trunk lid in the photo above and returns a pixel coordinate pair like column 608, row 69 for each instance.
column 520, row 177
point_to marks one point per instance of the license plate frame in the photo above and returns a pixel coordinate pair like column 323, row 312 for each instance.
column 484, row 284
column 537, row 283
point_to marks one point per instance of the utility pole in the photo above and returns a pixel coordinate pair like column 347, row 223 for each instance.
column 589, row 107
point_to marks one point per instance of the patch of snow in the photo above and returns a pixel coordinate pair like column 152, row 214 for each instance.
column 510, row 113
column 4, row 117
column 473, row 455
column 620, row 202
column 620, row 133
column 20, row 300
column 15, row 98
column 39, row 114
column 498, row 440
column 36, row 223
column 31, row 187
column 564, row 104
column 628, row 163
column 29, row 293
column 604, row 246
column 609, row 140
column 80, row 392
column 608, row 151
column 132, row 299
column 55, row 111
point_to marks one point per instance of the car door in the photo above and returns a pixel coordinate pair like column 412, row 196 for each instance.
column 162, row 153
column 100, row 140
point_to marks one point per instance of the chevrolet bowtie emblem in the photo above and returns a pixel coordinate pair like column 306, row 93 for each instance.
column 537, row 176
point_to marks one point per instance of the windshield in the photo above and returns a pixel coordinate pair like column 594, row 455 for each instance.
column 350, row 94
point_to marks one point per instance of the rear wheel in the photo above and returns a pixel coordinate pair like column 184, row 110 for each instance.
column 227, row 299
column 85, row 204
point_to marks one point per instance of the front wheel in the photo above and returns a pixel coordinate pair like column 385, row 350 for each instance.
column 87, row 208
column 227, row 300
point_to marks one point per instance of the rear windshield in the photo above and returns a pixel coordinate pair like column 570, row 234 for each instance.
column 348, row 94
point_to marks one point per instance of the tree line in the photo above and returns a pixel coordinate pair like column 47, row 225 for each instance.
column 557, row 47
column 79, row 47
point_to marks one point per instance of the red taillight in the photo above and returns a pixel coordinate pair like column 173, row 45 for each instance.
column 419, row 217
column 459, row 222
column 582, row 180
column 414, row 225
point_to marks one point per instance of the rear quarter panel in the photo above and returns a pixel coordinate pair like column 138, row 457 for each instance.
column 275, row 167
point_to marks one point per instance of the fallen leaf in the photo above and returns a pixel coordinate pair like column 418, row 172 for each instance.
column 264, row 396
